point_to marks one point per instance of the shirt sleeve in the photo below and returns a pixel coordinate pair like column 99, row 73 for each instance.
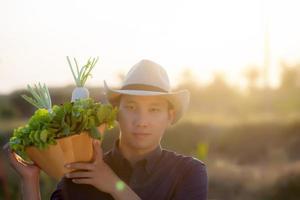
column 57, row 194
column 66, row 190
column 193, row 185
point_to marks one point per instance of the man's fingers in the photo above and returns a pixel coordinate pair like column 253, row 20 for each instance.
column 21, row 160
column 7, row 150
column 14, row 158
column 9, row 153
column 82, row 166
column 83, row 181
column 79, row 175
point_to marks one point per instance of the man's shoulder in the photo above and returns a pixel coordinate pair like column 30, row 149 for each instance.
column 190, row 176
column 182, row 160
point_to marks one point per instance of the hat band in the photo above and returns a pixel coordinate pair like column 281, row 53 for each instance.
column 142, row 87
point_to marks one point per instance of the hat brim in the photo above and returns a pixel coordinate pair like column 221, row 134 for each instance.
column 179, row 99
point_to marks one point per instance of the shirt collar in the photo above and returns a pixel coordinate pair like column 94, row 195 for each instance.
column 151, row 158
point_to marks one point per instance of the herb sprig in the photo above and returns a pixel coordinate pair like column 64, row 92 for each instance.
column 41, row 96
column 81, row 75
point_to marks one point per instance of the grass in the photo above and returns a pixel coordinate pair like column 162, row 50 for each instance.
column 246, row 157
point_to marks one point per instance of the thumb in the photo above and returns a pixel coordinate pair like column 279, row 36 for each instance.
column 98, row 153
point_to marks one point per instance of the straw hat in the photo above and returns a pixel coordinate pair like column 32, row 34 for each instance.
column 147, row 78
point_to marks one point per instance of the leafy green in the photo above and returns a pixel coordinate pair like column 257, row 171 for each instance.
column 67, row 119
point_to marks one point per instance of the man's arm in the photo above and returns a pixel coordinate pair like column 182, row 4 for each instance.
column 124, row 193
column 30, row 189
column 193, row 185
column 99, row 174
column 29, row 174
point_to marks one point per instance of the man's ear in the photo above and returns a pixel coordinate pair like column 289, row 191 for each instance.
column 118, row 104
column 117, row 117
column 171, row 115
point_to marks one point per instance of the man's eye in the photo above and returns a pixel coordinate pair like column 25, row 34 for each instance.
column 154, row 109
column 130, row 107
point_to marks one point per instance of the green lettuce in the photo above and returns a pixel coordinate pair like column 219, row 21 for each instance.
column 70, row 118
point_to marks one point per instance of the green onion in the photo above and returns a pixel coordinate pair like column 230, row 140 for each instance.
column 81, row 75
column 41, row 96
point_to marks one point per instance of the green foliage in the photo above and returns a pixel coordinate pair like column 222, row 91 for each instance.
column 202, row 150
column 64, row 120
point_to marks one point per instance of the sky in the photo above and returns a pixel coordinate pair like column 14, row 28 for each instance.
column 224, row 36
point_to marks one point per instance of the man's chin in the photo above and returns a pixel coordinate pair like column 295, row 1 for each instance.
column 141, row 145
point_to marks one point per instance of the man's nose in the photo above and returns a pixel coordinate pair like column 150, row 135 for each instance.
column 142, row 119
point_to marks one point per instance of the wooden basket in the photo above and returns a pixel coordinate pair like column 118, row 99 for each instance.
column 75, row 148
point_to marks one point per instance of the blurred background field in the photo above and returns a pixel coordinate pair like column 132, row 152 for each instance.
column 239, row 59
column 248, row 139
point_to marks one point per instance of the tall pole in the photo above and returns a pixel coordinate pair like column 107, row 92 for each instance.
column 266, row 57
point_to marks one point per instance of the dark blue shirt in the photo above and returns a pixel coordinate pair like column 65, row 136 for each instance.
column 162, row 175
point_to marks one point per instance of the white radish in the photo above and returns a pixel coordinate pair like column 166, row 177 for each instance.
column 80, row 93
column 80, row 77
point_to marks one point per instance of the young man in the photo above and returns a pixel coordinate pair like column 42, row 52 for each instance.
column 137, row 167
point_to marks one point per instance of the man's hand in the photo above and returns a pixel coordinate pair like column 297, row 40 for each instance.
column 27, row 171
column 29, row 174
column 97, row 173
column 100, row 175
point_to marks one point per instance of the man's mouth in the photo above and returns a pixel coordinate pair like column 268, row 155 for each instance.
column 140, row 134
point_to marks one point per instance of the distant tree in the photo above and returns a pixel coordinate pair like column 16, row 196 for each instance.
column 219, row 86
column 252, row 74
column 219, row 96
column 188, row 80
column 290, row 76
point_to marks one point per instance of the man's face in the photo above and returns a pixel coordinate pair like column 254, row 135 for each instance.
column 143, row 120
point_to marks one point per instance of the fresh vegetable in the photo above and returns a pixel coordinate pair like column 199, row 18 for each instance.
column 41, row 97
column 64, row 120
column 80, row 76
